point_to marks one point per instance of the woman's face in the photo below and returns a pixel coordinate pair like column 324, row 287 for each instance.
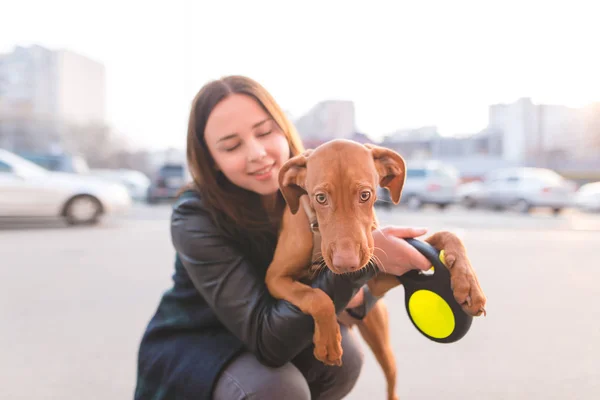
column 246, row 144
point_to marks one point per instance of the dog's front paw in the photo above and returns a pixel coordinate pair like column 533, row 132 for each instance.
column 328, row 343
column 464, row 282
column 465, row 285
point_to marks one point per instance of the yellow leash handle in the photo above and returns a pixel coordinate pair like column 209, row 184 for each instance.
column 429, row 300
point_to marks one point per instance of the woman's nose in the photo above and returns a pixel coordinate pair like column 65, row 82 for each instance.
column 257, row 152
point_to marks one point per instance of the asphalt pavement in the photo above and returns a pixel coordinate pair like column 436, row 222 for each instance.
column 74, row 303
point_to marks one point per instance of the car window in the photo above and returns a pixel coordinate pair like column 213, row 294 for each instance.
column 22, row 165
column 4, row 167
column 503, row 175
column 416, row 173
column 44, row 162
column 171, row 171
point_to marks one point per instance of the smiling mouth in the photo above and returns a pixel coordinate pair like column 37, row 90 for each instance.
column 263, row 171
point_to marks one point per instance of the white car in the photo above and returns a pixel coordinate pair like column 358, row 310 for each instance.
column 28, row 190
column 429, row 182
column 588, row 197
column 136, row 182
column 520, row 189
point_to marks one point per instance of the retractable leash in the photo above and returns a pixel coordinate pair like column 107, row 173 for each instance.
column 429, row 300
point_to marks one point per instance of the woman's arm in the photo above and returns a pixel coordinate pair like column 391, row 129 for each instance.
column 275, row 331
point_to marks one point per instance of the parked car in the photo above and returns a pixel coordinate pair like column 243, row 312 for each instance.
column 520, row 189
column 28, row 190
column 136, row 182
column 587, row 198
column 58, row 162
column 427, row 182
column 167, row 182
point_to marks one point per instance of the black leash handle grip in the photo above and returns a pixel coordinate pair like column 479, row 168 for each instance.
column 429, row 299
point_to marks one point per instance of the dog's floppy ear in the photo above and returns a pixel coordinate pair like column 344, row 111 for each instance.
column 391, row 169
column 292, row 180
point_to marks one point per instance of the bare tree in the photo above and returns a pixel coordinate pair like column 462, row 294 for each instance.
column 98, row 143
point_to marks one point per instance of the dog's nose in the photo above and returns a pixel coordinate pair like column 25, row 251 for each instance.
column 345, row 261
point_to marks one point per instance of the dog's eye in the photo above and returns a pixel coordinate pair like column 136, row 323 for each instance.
column 365, row 195
column 321, row 198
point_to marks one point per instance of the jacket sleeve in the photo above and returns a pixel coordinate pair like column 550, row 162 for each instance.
column 274, row 330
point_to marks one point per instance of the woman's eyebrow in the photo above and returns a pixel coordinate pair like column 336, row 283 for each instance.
column 256, row 125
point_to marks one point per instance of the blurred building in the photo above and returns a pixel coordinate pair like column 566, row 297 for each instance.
column 331, row 119
column 589, row 146
column 426, row 142
column 542, row 134
column 518, row 134
column 472, row 155
column 42, row 91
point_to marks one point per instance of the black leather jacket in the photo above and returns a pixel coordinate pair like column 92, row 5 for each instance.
column 234, row 288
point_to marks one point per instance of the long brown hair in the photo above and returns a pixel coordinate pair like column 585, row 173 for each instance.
column 237, row 212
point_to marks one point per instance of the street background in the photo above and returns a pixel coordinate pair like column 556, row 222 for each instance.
column 75, row 302
column 494, row 105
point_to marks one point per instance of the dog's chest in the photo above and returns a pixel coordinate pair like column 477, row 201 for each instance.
column 317, row 262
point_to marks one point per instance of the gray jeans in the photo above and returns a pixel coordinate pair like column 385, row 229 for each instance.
column 303, row 379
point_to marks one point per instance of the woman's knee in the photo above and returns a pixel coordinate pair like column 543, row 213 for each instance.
column 338, row 382
column 329, row 382
column 352, row 361
column 246, row 378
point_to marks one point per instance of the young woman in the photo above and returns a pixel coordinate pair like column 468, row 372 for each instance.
column 217, row 333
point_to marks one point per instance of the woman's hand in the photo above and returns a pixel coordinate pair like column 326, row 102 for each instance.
column 394, row 255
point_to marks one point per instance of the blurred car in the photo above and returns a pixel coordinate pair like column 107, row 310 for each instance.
column 167, row 182
column 58, row 162
column 28, row 190
column 136, row 182
column 520, row 189
column 470, row 194
column 587, row 198
column 427, row 182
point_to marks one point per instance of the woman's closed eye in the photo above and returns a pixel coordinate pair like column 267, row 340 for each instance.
column 232, row 148
column 235, row 146
column 229, row 143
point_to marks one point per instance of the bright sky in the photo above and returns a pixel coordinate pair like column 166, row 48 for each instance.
column 404, row 64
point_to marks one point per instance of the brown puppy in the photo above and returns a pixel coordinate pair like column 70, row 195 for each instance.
column 340, row 180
